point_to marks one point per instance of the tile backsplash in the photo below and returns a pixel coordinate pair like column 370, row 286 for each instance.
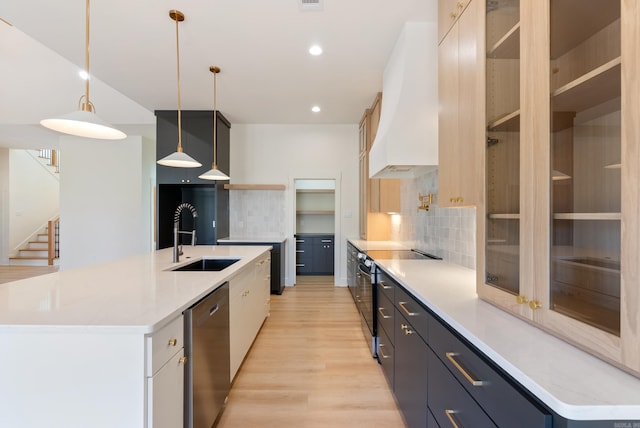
column 447, row 232
column 257, row 213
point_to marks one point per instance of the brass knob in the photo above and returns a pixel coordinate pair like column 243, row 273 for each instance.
column 404, row 326
column 521, row 299
column 182, row 360
column 460, row 5
column 454, row 15
column 408, row 332
column 173, row 342
column 534, row 304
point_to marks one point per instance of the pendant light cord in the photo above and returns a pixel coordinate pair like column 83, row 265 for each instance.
column 215, row 121
column 178, row 73
column 87, row 104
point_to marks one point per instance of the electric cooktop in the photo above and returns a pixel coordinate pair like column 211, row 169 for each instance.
column 400, row 254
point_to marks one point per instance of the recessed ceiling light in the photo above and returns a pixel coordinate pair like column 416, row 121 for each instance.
column 315, row 109
column 83, row 75
column 315, row 50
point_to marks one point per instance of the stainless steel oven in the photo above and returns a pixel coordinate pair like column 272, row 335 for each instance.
column 366, row 299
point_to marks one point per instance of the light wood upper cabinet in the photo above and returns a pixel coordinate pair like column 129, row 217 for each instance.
column 377, row 196
column 448, row 12
column 565, row 256
column 460, row 121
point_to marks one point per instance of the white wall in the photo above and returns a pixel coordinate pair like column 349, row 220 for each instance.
column 33, row 197
column 105, row 199
column 278, row 154
column 4, row 206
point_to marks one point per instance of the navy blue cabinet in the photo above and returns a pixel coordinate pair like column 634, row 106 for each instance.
column 440, row 380
column 278, row 250
column 178, row 185
column 314, row 254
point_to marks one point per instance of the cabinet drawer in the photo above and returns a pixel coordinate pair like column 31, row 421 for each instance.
column 386, row 285
column 386, row 356
column 163, row 344
column 506, row 403
column 449, row 403
column 413, row 311
column 385, row 315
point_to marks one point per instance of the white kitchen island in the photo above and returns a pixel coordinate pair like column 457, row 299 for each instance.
column 77, row 345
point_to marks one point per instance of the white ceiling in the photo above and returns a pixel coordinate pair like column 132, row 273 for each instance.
column 260, row 45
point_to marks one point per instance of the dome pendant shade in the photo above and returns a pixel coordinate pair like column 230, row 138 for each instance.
column 214, row 173
column 84, row 122
column 178, row 159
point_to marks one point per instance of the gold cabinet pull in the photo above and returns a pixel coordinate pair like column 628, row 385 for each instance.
column 386, row 287
column 381, row 311
column 408, row 331
column 406, row 311
column 382, row 354
column 521, row 300
column 173, row 342
column 451, row 356
column 460, row 5
column 454, row 15
column 534, row 304
column 451, row 418
column 404, row 326
column 182, row 360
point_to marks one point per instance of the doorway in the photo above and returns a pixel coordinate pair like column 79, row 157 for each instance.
column 315, row 227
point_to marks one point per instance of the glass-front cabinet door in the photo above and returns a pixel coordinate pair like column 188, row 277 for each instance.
column 501, row 270
column 560, row 232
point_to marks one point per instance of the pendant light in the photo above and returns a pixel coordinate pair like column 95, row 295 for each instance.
column 84, row 122
column 214, row 173
column 179, row 158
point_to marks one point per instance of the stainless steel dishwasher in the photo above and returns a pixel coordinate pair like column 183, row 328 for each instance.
column 207, row 350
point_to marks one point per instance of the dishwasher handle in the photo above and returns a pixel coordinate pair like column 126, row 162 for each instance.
column 214, row 309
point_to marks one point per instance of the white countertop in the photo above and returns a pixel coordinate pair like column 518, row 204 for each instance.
column 257, row 239
column 573, row 383
column 135, row 294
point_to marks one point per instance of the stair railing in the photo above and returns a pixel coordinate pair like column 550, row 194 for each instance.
column 53, row 230
column 53, row 156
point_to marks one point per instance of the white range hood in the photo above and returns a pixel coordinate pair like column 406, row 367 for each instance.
column 406, row 144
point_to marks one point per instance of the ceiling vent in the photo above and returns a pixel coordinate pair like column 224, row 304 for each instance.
column 313, row 5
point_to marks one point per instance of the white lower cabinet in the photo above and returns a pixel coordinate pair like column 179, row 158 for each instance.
column 165, row 376
column 165, row 394
column 249, row 297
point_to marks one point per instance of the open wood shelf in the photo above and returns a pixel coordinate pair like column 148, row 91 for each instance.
column 508, row 47
column 591, row 89
column 316, row 212
column 586, row 216
column 507, row 123
column 255, row 186
column 505, row 216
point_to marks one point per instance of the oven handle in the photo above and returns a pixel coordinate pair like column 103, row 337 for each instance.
column 364, row 272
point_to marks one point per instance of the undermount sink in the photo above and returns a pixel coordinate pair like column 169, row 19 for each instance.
column 206, row 265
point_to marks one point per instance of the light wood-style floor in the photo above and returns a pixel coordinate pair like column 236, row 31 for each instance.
column 14, row 273
column 311, row 367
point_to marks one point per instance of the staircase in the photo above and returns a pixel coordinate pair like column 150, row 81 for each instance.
column 41, row 250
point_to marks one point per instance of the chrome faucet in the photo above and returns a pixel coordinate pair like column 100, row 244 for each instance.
column 177, row 248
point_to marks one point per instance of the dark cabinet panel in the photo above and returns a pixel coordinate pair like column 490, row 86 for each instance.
column 178, row 185
column 314, row 254
column 197, row 142
column 448, row 401
column 410, row 377
column 502, row 400
column 210, row 201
